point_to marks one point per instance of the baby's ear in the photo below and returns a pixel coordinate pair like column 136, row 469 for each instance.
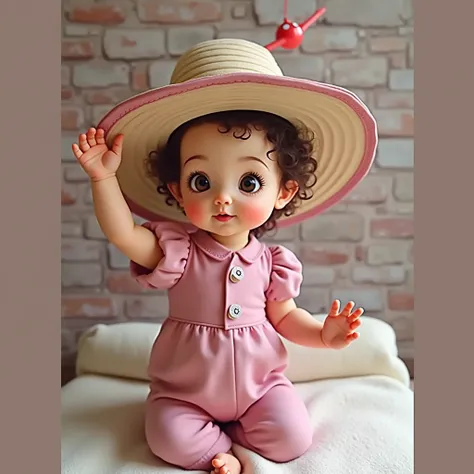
column 286, row 194
column 175, row 190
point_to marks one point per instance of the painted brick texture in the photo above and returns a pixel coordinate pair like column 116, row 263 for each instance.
column 362, row 249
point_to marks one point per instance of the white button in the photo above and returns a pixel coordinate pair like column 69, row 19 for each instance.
column 235, row 311
column 236, row 274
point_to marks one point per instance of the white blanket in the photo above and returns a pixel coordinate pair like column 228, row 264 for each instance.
column 362, row 425
column 360, row 405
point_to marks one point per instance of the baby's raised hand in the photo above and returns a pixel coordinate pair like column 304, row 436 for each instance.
column 339, row 327
column 95, row 157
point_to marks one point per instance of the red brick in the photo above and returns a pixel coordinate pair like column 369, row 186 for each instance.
column 360, row 253
column 68, row 197
column 397, row 60
column 101, row 14
column 395, row 100
column 72, row 118
column 67, row 93
column 392, row 228
column 387, row 44
column 395, row 123
column 89, row 307
column 321, row 256
column 172, row 11
column 401, row 300
column 131, row 44
column 140, row 80
column 105, row 96
column 147, row 307
column 77, row 49
column 122, row 282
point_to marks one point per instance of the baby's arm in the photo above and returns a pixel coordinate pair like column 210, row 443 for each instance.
column 299, row 326
column 116, row 221
column 113, row 214
column 295, row 324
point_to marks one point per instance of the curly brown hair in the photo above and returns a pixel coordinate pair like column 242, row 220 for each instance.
column 294, row 147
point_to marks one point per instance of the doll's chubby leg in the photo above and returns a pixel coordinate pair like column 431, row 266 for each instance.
column 277, row 426
column 184, row 435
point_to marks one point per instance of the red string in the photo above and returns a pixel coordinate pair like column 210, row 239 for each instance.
column 285, row 11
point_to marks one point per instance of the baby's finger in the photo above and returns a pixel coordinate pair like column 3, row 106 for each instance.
column 91, row 137
column 356, row 315
column 352, row 336
column 354, row 325
column 347, row 309
column 83, row 145
column 334, row 311
column 99, row 136
column 76, row 150
column 117, row 144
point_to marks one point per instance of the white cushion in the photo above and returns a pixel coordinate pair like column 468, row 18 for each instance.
column 123, row 350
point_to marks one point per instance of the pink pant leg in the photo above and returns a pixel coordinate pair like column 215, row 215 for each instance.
column 277, row 426
column 182, row 434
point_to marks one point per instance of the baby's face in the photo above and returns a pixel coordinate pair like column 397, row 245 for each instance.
column 228, row 185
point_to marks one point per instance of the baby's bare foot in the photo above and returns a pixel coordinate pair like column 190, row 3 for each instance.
column 226, row 463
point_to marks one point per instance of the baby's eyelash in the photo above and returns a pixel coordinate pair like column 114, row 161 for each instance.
column 260, row 178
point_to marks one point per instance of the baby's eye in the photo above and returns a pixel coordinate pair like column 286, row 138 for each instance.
column 250, row 184
column 199, row 183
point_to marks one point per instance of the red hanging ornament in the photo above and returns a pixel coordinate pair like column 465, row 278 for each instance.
column 289, row 34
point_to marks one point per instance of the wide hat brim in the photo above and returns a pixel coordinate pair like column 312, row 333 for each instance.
column 345, row 129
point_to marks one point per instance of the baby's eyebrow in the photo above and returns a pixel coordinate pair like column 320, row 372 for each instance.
column 253, row 158
column 196, row 157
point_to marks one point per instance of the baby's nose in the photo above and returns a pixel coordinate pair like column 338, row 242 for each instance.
column 222, row 198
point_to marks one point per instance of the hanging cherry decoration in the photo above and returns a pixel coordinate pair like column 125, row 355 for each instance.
column 289, row 34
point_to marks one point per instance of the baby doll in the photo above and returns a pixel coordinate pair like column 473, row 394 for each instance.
column 227, row 176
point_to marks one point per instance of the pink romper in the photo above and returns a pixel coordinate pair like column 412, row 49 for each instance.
column 216, row 368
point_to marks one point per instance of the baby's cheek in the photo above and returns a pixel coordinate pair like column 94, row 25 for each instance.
column 255, row 214
column 194, row 211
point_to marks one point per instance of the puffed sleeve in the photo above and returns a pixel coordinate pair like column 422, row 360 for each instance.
column 286, row 275
column 175, row 243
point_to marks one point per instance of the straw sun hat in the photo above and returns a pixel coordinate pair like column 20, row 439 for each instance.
column 230, row 74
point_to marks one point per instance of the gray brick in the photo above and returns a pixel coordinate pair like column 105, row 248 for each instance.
column 81, row 274
column 375, row 13
column 387, row 254
column 262, row 36
column 302, row 66
column 76, row 250
column 71, row 229
column 382, row 275
column 123, row 43
column 318, row 276
column 93, row 230
column 369, row 299
column 401, row 80
column 395, row 153
column 323, row 39
column 101, row 74
column 75, row 173
column 313, row 300
column 66, row 147
column 334, row 227
column 270, row 12
column 404, row 188
column 160, row 72
column 117, row 259
column 181, row 38
column 366, row 72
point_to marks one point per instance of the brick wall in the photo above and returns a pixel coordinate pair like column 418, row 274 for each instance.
column 362, row 249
